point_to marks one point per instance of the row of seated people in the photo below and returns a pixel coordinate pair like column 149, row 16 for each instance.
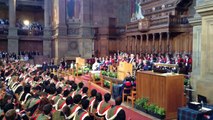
column 144, row 61
column 27, row 93
column 22, row 55
column 4, row 22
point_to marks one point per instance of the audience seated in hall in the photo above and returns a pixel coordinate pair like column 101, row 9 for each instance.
column 96, row 65
column 30, row 93
column 38, row 94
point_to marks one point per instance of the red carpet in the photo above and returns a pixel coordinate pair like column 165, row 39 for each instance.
column 130, row 114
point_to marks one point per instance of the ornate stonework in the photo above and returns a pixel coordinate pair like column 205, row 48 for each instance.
column 76, row 28
column 202, row 49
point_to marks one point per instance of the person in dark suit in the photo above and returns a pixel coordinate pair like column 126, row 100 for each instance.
column 62, row 63
column 132, row 59
column 139, row 65
column 44, row 66
column 146, row 66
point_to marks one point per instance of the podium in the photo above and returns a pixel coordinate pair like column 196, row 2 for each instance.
column 123, row 68
column 80, row 63
column 165, row 90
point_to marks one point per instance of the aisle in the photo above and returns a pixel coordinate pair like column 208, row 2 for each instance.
column 131, row 114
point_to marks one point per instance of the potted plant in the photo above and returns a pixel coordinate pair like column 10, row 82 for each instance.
column 138, row 104
column 106, row 84
column 161, row 113
column 107, row 73
column 141, row 104
column 79, row 72
column 97, row 77
column 112, row 74
column 151, row 109
column 145, row 107
column 104, row 73
column 86, row 69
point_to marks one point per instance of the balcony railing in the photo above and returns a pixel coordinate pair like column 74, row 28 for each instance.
column 25, row 32
column 26, row 2
column 30, row 32
column 111, row 31
column 169, row 21
column 146, row 1
column 3, row 29
column 182, row 20
column 159, row 21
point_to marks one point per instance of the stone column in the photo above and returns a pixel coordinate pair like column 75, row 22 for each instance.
column 12, row 13
column 136, row 39
column 196, row 57
column 47, row 41
column 160, row 43
column 130, row 42
column 147, row 42
column 47, row 8
column 153, row 42
column 133, row 44
column 202, row 73
column 62, row 28
column 13, row 43
column 168, row 42
column 126, row 46
column 61, row 45
column 141, row 43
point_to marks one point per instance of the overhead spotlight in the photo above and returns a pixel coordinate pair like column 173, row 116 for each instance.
column 26, row 22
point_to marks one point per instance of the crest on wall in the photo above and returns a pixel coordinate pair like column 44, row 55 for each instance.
column 143, row 25
column 73, row 45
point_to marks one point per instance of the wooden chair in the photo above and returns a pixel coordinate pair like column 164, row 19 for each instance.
column 132, row 98
column 126, row 94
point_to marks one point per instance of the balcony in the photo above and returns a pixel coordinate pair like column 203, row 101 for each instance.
column 146, row 1
column 21, row 32
column 3, row 29
column 26, row 2
column 172, row 23
column 30, row 32
column 112, row 32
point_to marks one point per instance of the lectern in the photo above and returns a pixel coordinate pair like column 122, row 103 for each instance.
column 123, row 68
column 165, row 90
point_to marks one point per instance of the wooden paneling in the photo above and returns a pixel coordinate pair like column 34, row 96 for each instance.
column 31, row 46
column 164, row 91
column 102, row 47
column 3, row 13
column 3, row 45
column 182, row 43
column 113, row 45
